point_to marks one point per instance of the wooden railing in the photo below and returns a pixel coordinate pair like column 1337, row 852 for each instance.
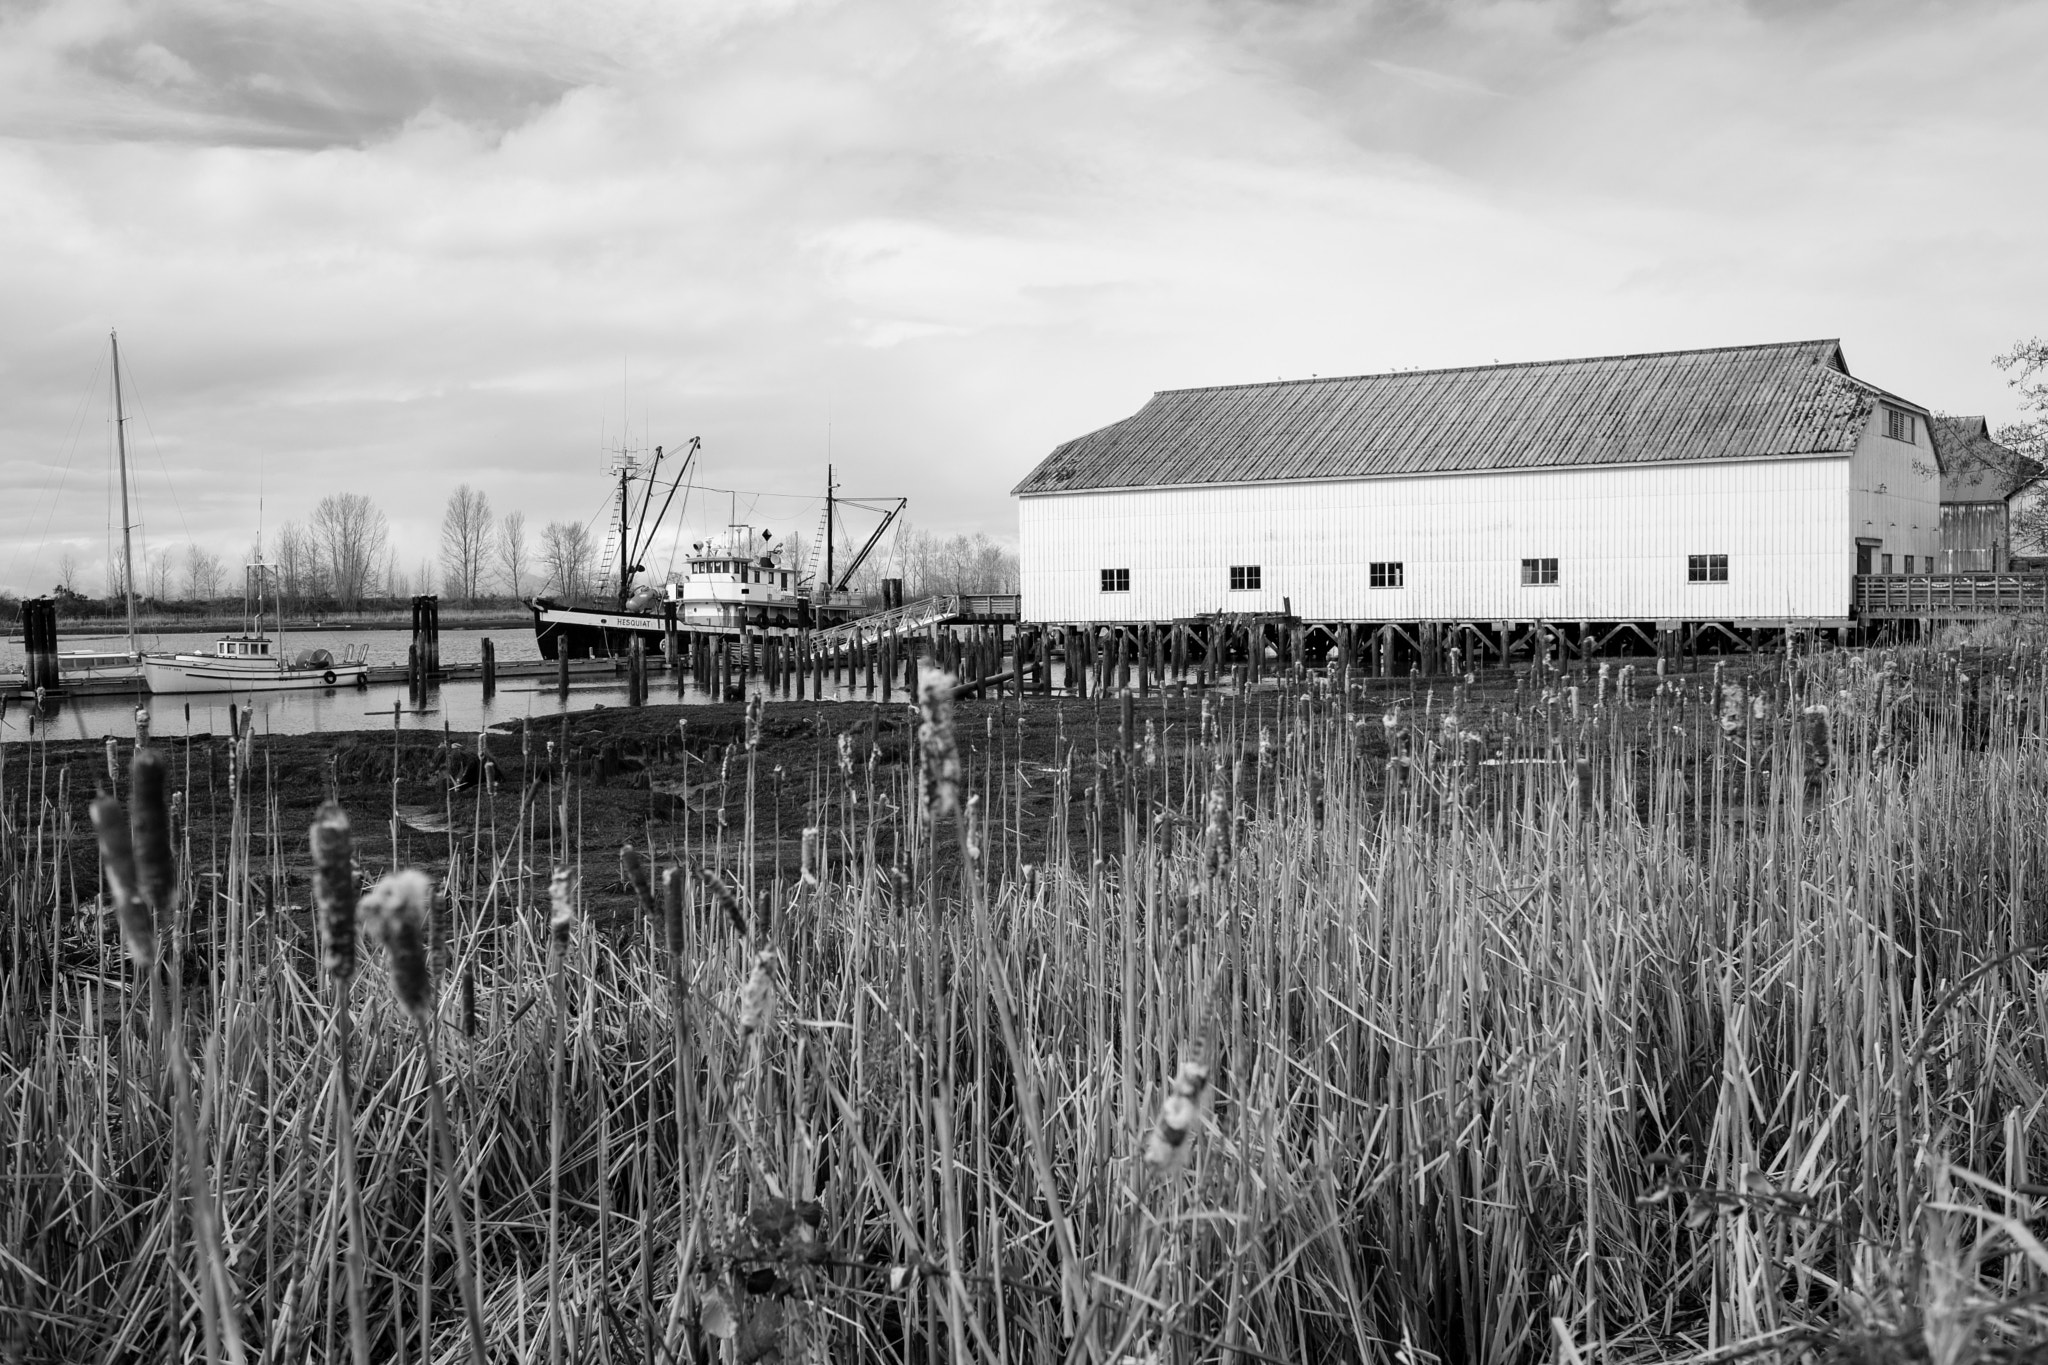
column 1950, row 595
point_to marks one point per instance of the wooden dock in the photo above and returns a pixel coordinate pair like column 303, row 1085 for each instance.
column 1950, row 596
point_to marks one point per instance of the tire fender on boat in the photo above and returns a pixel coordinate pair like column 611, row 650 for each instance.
column 328, row 677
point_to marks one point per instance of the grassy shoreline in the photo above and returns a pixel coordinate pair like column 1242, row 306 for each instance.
column 1596, row 1017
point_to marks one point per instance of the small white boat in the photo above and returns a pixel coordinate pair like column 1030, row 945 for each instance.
column 246, row 663
column 251, row 661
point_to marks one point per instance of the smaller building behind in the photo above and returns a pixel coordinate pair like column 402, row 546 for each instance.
column 1980, row 482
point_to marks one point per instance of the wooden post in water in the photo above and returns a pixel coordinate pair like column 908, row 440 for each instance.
column 490, row 658
column 562, row 671
column 636, row 671
column 669, row 644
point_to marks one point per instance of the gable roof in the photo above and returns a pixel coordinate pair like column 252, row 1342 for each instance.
column 1975, row 467
column 1777, row 401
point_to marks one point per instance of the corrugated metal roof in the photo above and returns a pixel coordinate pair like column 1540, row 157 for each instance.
column 1975, row 467
column 1782, row 400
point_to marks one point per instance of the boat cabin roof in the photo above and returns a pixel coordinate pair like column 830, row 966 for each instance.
column 229, row 646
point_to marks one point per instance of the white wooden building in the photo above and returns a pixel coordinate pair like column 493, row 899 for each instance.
column 1742, row 484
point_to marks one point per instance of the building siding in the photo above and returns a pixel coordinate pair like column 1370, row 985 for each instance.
column 1897, row 493
column 1621, row 536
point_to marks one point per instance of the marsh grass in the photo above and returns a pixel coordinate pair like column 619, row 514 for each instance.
column 1630, row 1018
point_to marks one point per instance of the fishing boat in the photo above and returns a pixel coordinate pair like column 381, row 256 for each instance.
column 252, row 661
column 733, row 583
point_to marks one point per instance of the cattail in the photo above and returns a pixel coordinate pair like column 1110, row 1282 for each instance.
column 757, row 997
column 334, row 889
column 846, row 755
column 398, row 905
column 1180, row 1116
column 1150, row 752
column 113, row 763
column 633, row 867
column 149, row 821
column 562, row 896
column 1216, row 833
column 809, row 875
column 753, row 722
column 936, row 747
column 1731, row 708
column 1583, row 771
column 1814, row 739
column 117, row 855
column 727, row 902
column 672, row 908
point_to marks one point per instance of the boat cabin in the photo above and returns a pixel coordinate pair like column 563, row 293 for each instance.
column 241, row 647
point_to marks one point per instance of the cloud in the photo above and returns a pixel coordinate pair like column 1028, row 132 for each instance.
column 391, row 248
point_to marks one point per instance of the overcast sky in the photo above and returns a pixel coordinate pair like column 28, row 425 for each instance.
column 389, row 248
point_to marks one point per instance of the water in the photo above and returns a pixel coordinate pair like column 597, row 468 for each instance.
column 458, row 706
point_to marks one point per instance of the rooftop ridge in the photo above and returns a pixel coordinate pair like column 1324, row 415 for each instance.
column 1835, row 342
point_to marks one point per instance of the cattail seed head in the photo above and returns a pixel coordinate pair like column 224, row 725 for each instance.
column 633, row 868
column 149, row 821
column 672, row 909
column 754, row 722
column 399, row 905
column 939, row 754
column 810, row 864
column 728, row 904
column 117, row 856
column 334, row 889
column 757, row 997
column 1180, row 1116
column 562, row 897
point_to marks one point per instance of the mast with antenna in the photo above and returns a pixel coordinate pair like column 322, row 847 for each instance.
column 127, row 525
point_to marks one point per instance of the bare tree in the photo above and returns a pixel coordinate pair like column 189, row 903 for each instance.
column 349, row 534
column 298, row 565
column 566, row 552
column 515, row 557
column 157, row 567
column 67, row 569
column 2026, row 442
column 203, row 571
column 466, row 536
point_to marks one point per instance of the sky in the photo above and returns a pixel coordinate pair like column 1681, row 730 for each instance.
column 393, row 248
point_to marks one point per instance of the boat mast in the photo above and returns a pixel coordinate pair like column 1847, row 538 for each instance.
column 827, row 599
column 127, row 526
column 625, row 536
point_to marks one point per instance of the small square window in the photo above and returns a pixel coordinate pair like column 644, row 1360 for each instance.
column 1706, row 568
column 1244, row 578
column 1539, row 573
column 1386, row 573
column 1116, row 580
column 1884, row 563
column 1899, row 424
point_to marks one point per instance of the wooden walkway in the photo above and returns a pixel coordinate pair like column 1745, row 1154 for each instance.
column 1949, row 596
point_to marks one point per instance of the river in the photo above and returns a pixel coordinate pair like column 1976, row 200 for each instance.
column 457, row 706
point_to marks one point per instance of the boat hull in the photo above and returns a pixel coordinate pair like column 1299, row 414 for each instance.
column 579, row 633
column 170, row 677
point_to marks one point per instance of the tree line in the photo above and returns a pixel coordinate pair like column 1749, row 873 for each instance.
column 341, row 556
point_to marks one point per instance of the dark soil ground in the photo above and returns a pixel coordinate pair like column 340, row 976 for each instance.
column 636, row 773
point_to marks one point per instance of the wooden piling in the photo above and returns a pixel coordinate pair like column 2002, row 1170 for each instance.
column 490, row 663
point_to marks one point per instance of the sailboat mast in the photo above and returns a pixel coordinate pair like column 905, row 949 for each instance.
column 828, row 533
column 127, row 524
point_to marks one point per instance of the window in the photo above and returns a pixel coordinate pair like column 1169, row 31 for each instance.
column 1706, row 568
column 1899, row 424
column 1909, row 565
column 1244, row 577
column 1884, row 563
column 1116, row 580
column 1539, row 573
column 1386, row 574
